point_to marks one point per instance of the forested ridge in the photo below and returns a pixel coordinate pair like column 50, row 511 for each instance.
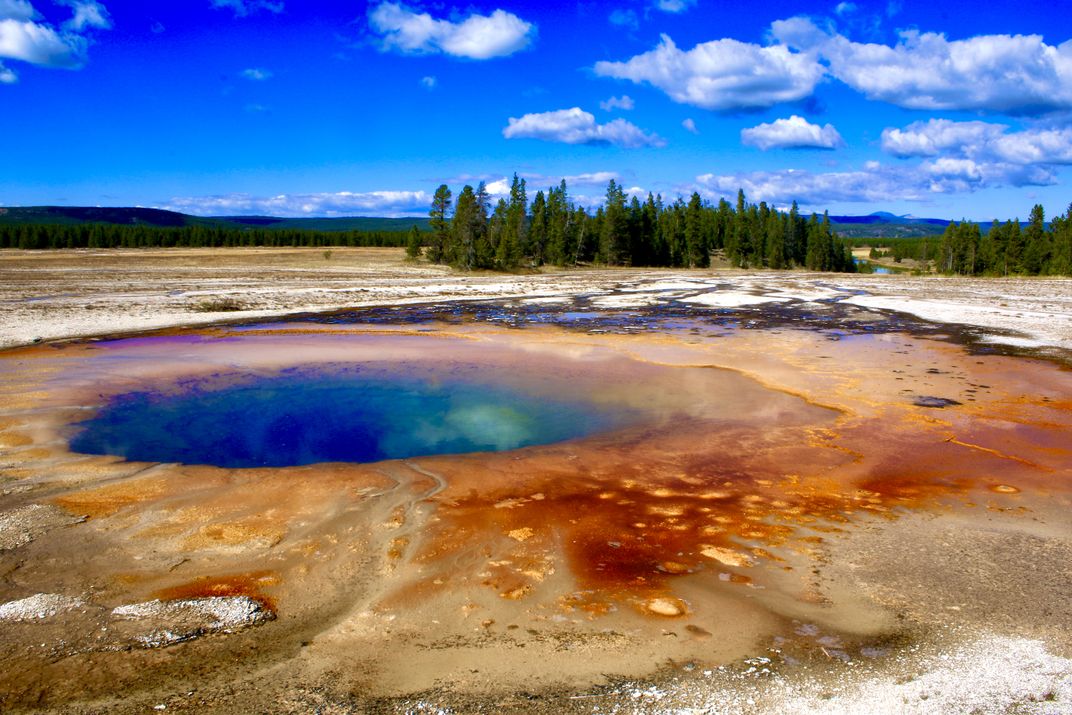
column 109, row 235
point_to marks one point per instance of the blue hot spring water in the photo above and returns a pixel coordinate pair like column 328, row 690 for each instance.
column 301, row 418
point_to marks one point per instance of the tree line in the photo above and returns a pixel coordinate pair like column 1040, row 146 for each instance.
column 1009, row 248
column 104, row 235
column 468, row 233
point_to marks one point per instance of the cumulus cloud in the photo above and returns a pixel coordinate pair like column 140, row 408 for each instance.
column 242, row 8
column 845, row 8
column 257, row 74
column 428, row 82
column 23, row 37
column 980, row 141
column 343, row 203
column 1016, row 74
column 957, row 157
column 722, row 74
column 1013, row 74
column 576, row 126
column 477, row 37
column 792, row 133
column 963, row 153
column 690, row 126
column 86, row 13
column 674, row 6
column 624, row 102
column 817, row 189
column 40, row 44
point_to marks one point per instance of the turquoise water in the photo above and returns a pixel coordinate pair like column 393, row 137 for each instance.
column 351, row 416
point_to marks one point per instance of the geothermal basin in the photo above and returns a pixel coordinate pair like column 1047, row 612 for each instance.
column 526, row 507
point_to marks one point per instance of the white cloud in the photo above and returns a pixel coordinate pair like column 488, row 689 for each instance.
column 1013, row 74
column 674, row 6
column 242, row 8
column 16, row 10
column 1016, row 74
column 983, row 153
column 845, row 8
column 959, row 157
column 800, row 33
column 428, row 82
column 39, row 44
column 257, row 74
column 576, row 126
column 87, row 13
column 591, row 178
column 818, row 189
column 690, row 126
column 723, row 74
column 624, row 102
column 792, row 133
column 624, row 18
column 343, row 203
column 25, row 39
column 981, row 141
column 477, row 37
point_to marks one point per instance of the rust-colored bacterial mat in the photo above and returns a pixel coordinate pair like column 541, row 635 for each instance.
column 680, row 512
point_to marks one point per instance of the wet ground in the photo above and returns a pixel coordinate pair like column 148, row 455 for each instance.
column 818, row 496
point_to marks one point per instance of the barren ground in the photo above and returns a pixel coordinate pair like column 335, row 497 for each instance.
column 62, row 294
column 863, row 507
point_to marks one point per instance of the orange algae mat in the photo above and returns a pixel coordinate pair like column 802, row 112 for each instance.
column 703, row 518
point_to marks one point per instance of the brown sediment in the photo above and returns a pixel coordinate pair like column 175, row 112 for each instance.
column 709, row 516
column 251, row 584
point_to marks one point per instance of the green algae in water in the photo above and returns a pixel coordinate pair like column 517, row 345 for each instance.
column 309, row 417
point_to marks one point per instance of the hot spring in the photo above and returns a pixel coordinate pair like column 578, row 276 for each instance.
column 353, row 414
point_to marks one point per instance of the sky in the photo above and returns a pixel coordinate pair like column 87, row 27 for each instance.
column 947, row 109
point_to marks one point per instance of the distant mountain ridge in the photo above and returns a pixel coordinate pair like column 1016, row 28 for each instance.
column 880, row 224
column 885, row 217
column 160, row 218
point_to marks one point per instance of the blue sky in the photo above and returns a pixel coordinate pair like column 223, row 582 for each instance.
column 948, row 109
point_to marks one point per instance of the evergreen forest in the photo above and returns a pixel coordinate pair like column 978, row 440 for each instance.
column 467, row 233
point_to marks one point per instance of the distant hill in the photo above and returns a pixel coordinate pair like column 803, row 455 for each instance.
column 883, row 224
column 73, row 215
column 880, row 224
column 347, row 223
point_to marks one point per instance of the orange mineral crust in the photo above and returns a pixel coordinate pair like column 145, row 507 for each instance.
column 705, row 515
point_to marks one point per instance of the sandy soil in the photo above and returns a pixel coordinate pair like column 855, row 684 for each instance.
column 855, row 511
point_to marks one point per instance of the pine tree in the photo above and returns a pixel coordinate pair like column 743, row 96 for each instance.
column 441, row 202
column 537, row 238
column 695, row 248
column 614, row 231
column 413, row 244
